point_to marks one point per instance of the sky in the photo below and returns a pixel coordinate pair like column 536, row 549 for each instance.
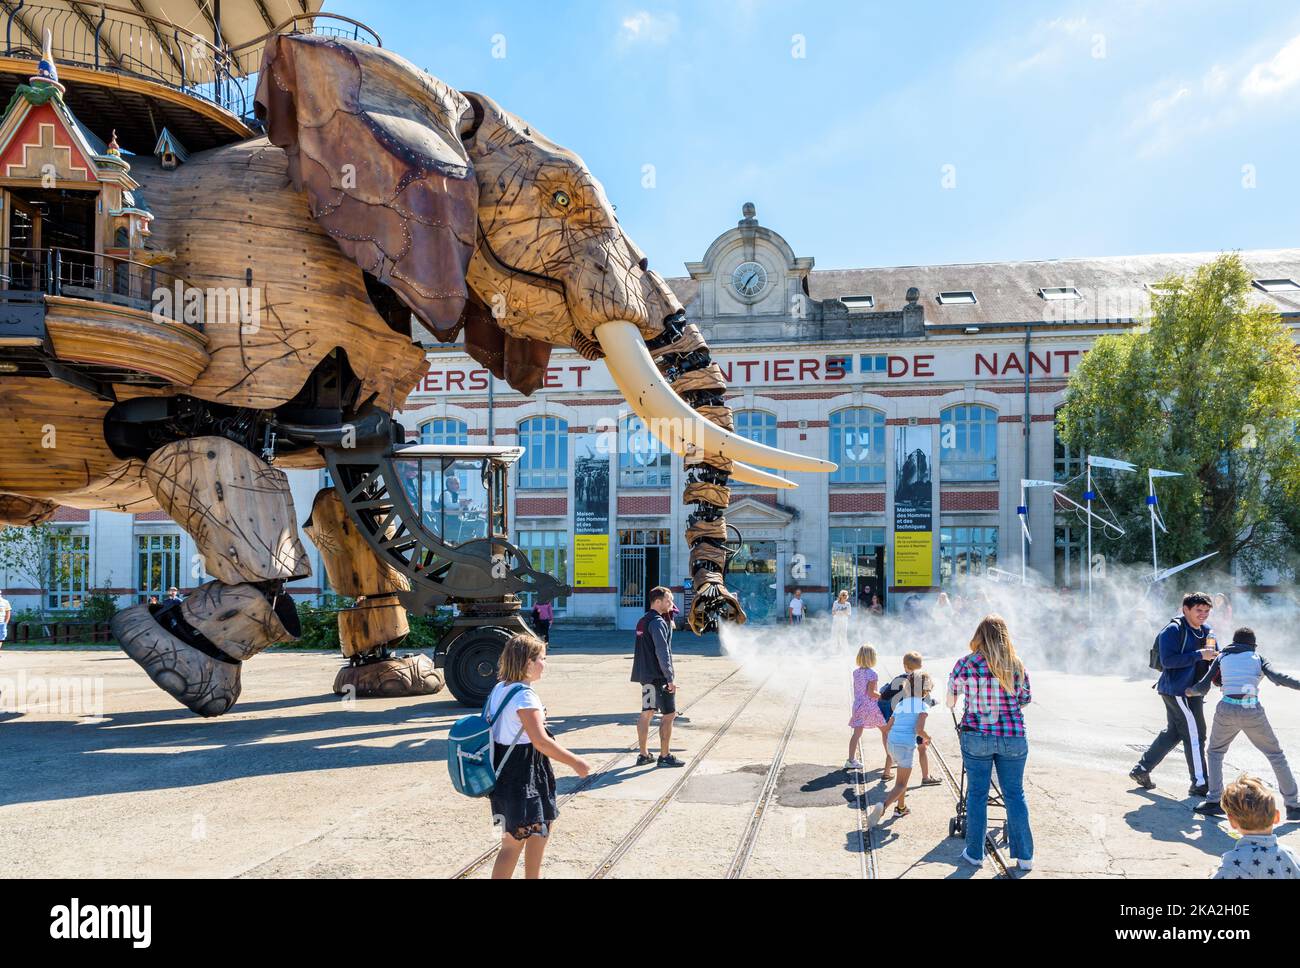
column 900, row 134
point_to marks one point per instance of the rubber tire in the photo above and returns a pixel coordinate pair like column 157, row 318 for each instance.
column 471, row 664
column 956, row 827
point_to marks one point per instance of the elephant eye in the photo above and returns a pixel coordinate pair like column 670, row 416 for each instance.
column 561, row 199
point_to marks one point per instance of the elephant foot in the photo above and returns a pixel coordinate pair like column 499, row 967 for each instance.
column 712, row 603
column 205, row 682
column 412, row 675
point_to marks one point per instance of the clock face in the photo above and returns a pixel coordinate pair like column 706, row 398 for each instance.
column 750, row 279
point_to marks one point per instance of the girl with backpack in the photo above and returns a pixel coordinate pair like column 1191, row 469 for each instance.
column 523, row 800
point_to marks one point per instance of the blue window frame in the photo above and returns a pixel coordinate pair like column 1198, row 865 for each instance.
column 444, row 431
column 755, row 425
column 968, row 443
column 858, row 446
column 545, row 463
column 642, row 460
column 873, row 363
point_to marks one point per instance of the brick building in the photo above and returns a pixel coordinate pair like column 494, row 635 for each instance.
column 966, row 363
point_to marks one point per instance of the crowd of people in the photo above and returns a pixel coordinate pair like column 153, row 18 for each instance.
column 987, row 691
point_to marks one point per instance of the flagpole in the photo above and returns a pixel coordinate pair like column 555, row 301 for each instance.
column 1151, row 504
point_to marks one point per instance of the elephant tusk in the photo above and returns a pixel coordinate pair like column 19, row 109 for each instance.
column 668, row 415
column 752, row 475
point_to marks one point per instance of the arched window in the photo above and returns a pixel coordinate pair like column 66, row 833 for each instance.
column 545, row 463
column 968, row 443
column 1067, row 461
column 756, row 425
column 858, row 446
column 642, row 460
column 444, row 431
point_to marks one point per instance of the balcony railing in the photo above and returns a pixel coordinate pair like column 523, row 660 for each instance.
column 27, row 274
column 118, row 39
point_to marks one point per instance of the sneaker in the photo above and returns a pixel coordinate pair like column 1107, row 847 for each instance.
column 971, row 860
column 902, row 811
column 1025, row 865
column 1293, row 813
column 670, row 760
column 1198, row 790
column 1142, row 778
column 852, row 765
column 643, row 759
column 875, row 813
column 931, row 781
column 680, row 720
column 1208, row 808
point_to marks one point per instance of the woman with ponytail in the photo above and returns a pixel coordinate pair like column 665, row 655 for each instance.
column 995, row 685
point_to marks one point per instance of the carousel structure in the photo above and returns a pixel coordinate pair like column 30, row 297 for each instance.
column 215, row 241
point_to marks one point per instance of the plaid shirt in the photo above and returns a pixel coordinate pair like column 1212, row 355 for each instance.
column 989, row 709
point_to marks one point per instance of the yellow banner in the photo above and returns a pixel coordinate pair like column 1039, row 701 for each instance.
column 590, row 560
column 913, row 558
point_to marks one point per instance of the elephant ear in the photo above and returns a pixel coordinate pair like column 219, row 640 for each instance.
column 375, row 143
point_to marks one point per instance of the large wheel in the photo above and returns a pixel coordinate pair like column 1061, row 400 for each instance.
column 471, row 664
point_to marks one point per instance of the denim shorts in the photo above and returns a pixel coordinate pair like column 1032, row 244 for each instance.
column 903, row 755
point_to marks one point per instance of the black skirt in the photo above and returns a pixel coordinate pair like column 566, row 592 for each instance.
column 523, row 801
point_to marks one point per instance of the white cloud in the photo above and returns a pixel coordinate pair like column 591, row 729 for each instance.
column 1158, row 109
column 1276, row 75
column 644, row 27
column 1215, row 79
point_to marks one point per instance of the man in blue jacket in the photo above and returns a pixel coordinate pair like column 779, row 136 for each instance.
column 1186, row 648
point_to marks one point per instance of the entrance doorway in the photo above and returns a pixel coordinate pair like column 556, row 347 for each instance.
column 858, row 564
column 642, row 561
column 49, row 229
column 752, row 578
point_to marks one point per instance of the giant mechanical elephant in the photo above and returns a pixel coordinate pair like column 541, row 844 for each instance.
column 383, row 195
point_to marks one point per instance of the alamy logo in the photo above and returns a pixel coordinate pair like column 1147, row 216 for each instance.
column 72, row 922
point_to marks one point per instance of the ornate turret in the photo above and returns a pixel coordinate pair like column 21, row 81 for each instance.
column 47, row 74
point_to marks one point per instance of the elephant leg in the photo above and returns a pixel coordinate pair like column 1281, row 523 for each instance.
column 683, row 357
column 240, row 513
column 376, row 624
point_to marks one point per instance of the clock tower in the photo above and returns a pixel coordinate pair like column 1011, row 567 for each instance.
column 751, row 284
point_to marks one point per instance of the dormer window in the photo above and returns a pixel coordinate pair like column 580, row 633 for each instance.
column 957, row 297
column 1277, row 285
column 859, row 304
column 1060, row 293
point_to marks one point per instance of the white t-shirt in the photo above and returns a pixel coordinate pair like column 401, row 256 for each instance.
column 796, row 606
column 506, row 723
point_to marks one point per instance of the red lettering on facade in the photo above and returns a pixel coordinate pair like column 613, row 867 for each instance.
column 726, row 369
column 898, row 366
column 922, row 365
column 747, row 366
column 579, row 370
column 808, row 369
column 456, row 378
column 1012, row 361
column 478, row 379
column 552, row 378
column 781, row 371
column 1066, row 356
column 982, row 363
column 1044, row 362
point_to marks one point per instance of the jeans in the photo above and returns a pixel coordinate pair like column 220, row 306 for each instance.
column 1229, row 720
column 981, row 754
column 1184, row 723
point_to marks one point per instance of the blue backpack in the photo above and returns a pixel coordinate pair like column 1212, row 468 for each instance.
column 470, row 750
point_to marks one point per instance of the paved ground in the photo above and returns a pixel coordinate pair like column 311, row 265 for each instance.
column 295, row 782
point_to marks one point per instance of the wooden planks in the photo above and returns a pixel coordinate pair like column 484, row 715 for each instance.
column 54, row 438
column 230, row 212
column 119, row 336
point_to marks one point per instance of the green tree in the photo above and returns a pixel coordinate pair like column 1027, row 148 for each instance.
column 27, row 553
column 1209, row 387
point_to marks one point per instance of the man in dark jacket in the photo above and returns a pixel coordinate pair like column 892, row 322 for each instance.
column 1186, row 648
column 652, row 667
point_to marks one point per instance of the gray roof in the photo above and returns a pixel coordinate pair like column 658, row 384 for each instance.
column 1008, row 292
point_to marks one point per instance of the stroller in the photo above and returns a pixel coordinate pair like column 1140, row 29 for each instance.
column 957, row 825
